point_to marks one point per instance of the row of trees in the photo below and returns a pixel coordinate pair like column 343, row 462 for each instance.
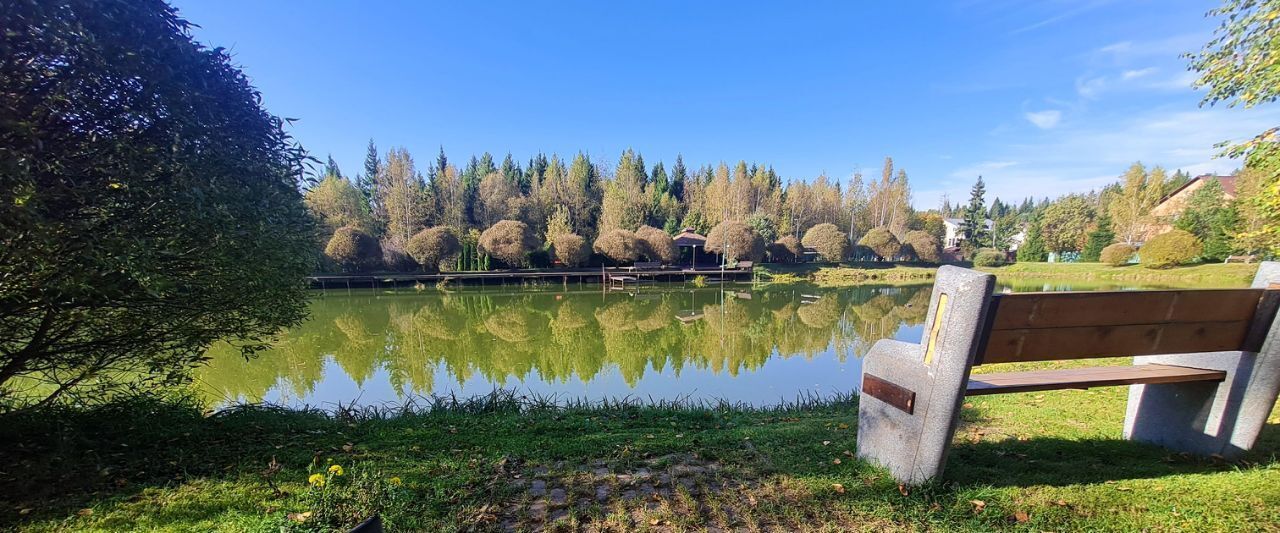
column 392, row 215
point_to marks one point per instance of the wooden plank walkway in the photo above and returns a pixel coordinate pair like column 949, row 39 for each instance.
column 503, row 277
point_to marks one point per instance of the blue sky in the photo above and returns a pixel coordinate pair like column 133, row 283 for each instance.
column 1041, row 98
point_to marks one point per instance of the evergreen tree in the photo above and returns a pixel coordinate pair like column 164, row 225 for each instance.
column 1033, row 248
column 678, row 176
column 659, row 180
column 511, row 170
column 331, row 168
column 975, row 215
column 1101, row 237
column 368, row 182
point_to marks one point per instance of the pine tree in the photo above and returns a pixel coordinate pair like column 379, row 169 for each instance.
column 659, row 180
column 368, row 182
column 975, row 223
column 1101, row 237
column 331, row 168
column 678, row 176
column 511, row 170
column 1032, row 249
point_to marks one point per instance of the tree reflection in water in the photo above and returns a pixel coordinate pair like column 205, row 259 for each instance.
column 421, row 341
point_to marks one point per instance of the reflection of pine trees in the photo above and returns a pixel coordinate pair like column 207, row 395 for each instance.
column 419, row 338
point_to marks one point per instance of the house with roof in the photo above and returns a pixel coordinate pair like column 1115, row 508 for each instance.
column 1176, row 202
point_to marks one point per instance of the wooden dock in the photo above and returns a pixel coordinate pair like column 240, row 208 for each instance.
column 519, row 277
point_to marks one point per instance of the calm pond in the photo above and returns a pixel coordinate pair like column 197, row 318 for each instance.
column 737, row 344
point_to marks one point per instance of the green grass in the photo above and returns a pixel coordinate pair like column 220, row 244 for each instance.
column 1207, row 275
column 1035, row 462
column 848, row 274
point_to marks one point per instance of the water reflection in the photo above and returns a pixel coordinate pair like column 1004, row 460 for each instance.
column 743, row 345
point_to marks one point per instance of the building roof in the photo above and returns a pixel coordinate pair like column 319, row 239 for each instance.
column 1228, row 185
column 688, row 238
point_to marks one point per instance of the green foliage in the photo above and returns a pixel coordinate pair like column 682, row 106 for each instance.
column 619, row 245
column 764, row 225
column 1169, row 249
column 1032, row 249
column 509, row 241
column 1117, row 254
column 336, row 203
column 923, row 246
column 571, row 249
column 882, row 243
column 830, row 243
column 736, row 241
column 1211, row 219
column 656, row 245
column 1099, row 238
column 150, row 204
column 432, row 246
column 975, row 214
column 353, row 250
column 1065, row 223
column 988, row 257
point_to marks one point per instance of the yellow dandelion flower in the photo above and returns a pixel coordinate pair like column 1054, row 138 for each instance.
column 316, row 480
column 336, row 470
column 395, row 481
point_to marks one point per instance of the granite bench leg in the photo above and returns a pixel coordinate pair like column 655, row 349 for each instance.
column 1211, row 418
column 910, row 400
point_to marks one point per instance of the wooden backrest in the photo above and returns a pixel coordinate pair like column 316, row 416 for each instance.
column 1052, row 326
column 745, row 264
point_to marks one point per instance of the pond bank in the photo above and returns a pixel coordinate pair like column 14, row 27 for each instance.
column 1050, row 461
column 848, row 274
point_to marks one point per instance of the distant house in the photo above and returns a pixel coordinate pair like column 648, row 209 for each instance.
column 955, row 231
column 1176, row 202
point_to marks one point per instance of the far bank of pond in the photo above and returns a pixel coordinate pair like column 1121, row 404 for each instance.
column 1213, row 275
column 756, row 344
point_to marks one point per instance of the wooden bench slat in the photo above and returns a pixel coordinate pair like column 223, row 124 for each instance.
column 1084, row 378
column 1110, row 308
column 1024, row 345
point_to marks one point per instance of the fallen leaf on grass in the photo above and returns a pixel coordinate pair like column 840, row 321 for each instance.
column 1061, row 503
column 835, row 461
column 85, row 512
column 843, row 426
column 826, row 443
column 348, row 447
column 902, row 489
column 978, row 505
column 299, row 517
column 1021, row 517
column 838, row 488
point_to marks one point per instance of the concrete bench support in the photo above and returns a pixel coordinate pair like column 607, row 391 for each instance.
column 911, row 437
column 1211, row 418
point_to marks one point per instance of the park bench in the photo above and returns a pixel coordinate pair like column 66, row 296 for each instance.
column 646, row 265
column 745, row 265
column 1239, row 259
column 1205, row 376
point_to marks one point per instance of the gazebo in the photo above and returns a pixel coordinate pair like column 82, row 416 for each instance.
column 691, row 240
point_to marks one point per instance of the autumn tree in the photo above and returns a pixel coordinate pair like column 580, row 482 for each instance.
column 1065, row 223
column 336, row 203
column 1130, row 209
column 509, row 241
column 570, row 249
column 499, row 199
column 618, row 244
column 830, row 243
column 786, row 250
column 882, row 242
column 656, row 245
column 923, row 246
column 735, row 241
column 1237, row 67
column 432, row 246
column 401, row 197
column 353, row 250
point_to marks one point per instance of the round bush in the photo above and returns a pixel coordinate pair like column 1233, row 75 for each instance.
column 882, row 243
column 1117, row 254
column 923, row 246
column 618, row 244
column 571, row 249
column 738, row 241
column 353, row 250
column 785, row 250
column 1170, row 249
column 432, row 245
column 656, row 245
column 989, row 258
column 509, row 241
column 828, row 241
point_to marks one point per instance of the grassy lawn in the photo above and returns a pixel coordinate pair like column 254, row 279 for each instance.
column 1035, row 462
column 846, row 274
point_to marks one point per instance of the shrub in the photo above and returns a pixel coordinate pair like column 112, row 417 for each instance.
column 353, row 250
column 570, row 249
column 656, row 244
column 786, row 250
column 509, row 241
column 394, row 257
column 432, row 245
column 828, row 241
column 988, row 257
column 923, row 246
column 882, row 243
column 736, row 240
column 1117, row 254
column 619, row 245
column 1170, row 249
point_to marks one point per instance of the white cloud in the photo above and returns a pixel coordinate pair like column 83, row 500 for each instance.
column 1090, row 154
column 1135, row 74
column 1090, row 87
column 1044, row 119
